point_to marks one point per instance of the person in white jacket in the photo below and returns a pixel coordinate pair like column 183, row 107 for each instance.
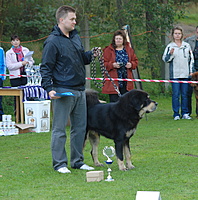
column 180, row 58
column 15, row 62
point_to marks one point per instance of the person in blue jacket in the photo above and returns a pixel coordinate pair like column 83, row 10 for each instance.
column 2, row 77
column 62, row 71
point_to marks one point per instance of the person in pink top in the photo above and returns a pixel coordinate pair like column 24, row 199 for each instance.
column 15, row 62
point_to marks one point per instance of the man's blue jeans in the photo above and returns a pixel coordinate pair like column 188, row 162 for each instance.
column 180, row 94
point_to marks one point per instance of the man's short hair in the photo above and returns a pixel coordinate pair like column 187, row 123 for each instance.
column 63, row 11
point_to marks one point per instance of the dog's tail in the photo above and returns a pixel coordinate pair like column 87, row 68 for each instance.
column 92, row 97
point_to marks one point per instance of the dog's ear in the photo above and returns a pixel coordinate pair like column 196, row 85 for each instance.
column 138, row 99
column 138, row 103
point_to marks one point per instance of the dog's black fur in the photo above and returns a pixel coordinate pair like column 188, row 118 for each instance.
column 195, row 89
column 116, row 121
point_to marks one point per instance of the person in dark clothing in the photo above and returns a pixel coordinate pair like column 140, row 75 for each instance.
column 63, row 71
column 193, row 41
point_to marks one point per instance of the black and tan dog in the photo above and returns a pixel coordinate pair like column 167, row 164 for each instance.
column 116, row 121
column 195, row 89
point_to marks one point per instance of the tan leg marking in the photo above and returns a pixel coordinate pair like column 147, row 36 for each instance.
column 94, row 141
column 127, row 155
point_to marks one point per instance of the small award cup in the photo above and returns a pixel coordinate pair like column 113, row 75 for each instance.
column 28, row 77
column 109, row 152
column 37, row 75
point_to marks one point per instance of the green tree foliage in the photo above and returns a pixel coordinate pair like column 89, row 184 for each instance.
column 29, row 19
column 34, row 19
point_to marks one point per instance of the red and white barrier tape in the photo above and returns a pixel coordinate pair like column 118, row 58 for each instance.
column 119, row 79
column 13, row 75
column 143, row 80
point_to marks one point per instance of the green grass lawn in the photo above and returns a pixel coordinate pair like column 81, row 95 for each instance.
column 191, row 14
column 164, row 153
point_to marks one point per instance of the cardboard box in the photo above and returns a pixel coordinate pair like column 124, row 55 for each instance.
column 8, row 132
column 148, row 195
column 24, row 128
column 95, row 176
column 37, row 113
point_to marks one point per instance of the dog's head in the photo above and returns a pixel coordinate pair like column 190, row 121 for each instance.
column 140, row 101
column 194, row 78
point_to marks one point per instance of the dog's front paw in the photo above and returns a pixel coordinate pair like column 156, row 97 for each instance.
column 123, row 169
column 130, row 167
column 121, row 165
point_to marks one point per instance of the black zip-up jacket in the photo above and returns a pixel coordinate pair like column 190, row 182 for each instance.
column 63, row 61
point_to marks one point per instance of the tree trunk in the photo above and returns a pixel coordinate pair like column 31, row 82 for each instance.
column 164, row 66
column 151, row 38
column 120, row 18
column 2, row 16
column 84, row 29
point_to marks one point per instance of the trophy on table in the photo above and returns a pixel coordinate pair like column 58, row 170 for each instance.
column 109, row 152
column 37, row 75
column 28, row 74
column 28, row 68
column 32, row 75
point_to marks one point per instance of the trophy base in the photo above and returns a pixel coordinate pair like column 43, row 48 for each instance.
column 109, row 179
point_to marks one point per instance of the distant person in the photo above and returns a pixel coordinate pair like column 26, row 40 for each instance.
column 2, row 78
column 15, row 62
column 193, row 41
column 179, row 56
column 63, row 70
column 119, row 60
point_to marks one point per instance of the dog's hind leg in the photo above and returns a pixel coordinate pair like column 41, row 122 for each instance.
column 94, row 139
column 127, row 154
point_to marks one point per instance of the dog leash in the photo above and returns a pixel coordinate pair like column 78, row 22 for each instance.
column 102, row 69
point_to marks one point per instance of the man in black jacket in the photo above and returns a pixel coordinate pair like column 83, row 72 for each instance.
column 63, row 72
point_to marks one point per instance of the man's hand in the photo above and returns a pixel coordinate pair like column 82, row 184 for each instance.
column 96, row 51
column 52, row 95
